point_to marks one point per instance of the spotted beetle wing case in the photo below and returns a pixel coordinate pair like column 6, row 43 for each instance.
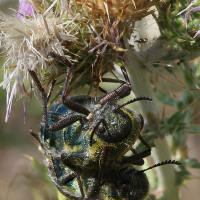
column 120, row 132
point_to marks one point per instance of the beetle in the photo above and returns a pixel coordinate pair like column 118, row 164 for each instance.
column 113, row 128
column 119, row 181
column 94, row 141
column 109, row 130
column 122, row 182
column 90, row 134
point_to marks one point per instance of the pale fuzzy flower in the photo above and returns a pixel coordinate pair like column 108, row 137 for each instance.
column 27, row 43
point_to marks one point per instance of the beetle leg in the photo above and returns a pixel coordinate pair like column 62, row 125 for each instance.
column 76, row 107
column 69, row 158
column 69, row 104
column 135, row 157
column 144, row 142
column 136, row 162
column 57, row 172
column 77, row 172
column 45, row 98
column 66, row 159
column 139, row 136
column 66, row 178
column 102, row 90
column 121, row 92
column 63, row 60
column 138, row 156
column 65, row 122
column 93, row 131
column 37, row 137
column 51, row 89
column 108, row 80
column 44, row 95
column 64, row 191
column 125, row 89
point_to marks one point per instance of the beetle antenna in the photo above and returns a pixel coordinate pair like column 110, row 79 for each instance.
column 134, row 100
column 162, row 163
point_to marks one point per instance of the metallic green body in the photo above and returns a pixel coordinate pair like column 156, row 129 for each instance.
column 123, row 125
column 118, row 183
column 122, row 129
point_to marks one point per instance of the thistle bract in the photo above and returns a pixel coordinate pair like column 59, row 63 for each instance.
column 179, row 24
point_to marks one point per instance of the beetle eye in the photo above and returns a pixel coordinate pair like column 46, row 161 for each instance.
column 101, row 128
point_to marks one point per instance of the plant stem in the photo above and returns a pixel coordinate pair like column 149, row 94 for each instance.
column 139, row 77
column 166, row 174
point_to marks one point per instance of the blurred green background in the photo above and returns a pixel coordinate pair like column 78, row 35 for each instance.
column 19, row 179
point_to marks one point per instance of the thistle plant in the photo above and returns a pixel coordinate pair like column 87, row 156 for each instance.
column 91, row 36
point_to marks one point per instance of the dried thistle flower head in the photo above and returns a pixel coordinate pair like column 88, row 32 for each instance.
column 73, row 29
column 127, row 11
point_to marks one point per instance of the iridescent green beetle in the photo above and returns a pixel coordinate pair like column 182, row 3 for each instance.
column 91, row 135
column 103, row 136
column 118, row 182
column 100, row 132
column 81, row 148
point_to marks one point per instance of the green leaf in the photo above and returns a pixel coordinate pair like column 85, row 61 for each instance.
column 40, row 167
column 178, row 140
column 188, row 75
column 182, row 174
column 41, row 171
column 187, row 98
column 181, row 126
column 174, row 55
column 172, row 123
column 170, row 70
column 193, row 163
column 165, row 98
column 193, row 129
